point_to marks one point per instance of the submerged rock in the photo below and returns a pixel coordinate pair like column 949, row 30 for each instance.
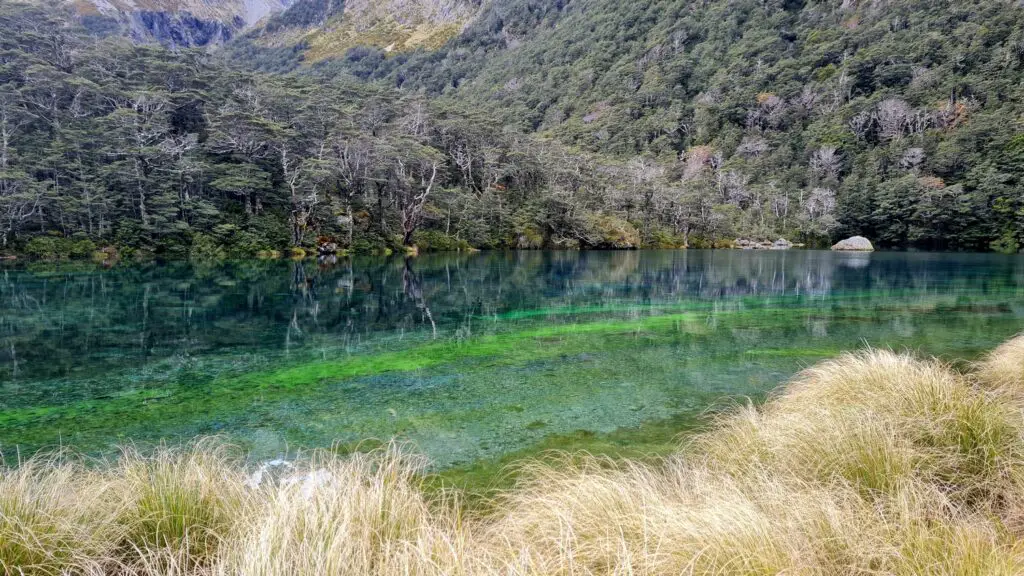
column 271, row 471
column 854, row 244
column 283, row 474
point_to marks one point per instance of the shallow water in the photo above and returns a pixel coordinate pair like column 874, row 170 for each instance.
column 466, row 356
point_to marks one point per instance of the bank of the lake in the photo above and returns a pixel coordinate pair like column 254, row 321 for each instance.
column 872, row 462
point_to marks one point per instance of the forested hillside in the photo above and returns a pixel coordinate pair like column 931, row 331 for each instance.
column 540, row 123
column 897, row 119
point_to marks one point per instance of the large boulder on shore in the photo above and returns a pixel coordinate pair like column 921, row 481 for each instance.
column 855, row 244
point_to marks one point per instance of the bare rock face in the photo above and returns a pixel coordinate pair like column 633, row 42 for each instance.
column 855, row 244
column 175, row 23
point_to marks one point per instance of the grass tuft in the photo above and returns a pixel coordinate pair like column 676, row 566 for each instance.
column 56, row 517
column 875, row 420
column 180, row 505
column 1003, row 369
column 363, row 514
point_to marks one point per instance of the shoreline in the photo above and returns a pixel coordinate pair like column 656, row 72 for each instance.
column 20, row 259
column 868, row 461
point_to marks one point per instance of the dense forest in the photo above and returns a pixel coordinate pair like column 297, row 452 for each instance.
column 543, row 123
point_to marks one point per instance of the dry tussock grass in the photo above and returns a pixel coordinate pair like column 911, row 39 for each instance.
column 872, row 463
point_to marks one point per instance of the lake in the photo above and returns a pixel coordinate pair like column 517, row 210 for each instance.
column 466, row 356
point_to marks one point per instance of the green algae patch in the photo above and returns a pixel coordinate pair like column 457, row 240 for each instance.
column 86, row 421
column 314, row 402
column 509, row 382
column 480, row 482
column 506, row 348
column 794, row 352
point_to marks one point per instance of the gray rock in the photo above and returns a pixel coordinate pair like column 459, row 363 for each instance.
column 855, row 244
column 782, row 244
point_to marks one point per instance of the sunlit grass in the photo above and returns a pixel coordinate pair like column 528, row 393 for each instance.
column 1003, row 369
column 180, row 504
column 55, row 517
column 364, row 514
column 871, row 463
column 875, row 420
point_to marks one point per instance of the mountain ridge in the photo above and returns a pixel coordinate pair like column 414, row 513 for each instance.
column 323, row 29
column 175, row 23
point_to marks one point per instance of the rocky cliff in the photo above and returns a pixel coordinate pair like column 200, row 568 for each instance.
column 324, row 29
column 176, row 23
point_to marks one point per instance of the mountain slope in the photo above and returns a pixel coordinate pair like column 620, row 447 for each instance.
column 901, row 117
column 541, row 123
column 312, row 31
column 175, row 23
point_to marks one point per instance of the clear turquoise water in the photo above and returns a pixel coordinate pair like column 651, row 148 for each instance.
column 467, row 356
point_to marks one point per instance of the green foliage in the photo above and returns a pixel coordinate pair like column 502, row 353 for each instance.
column 666, row 239
column 528, row 236
column 204, row 247
column 1006, row 244
column 918, row 90
column 59, row 248
column 612, row 232
column 437, row 241
column 366, row 246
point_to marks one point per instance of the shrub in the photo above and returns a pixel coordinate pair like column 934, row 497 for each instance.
column 527, row 237
column 1005, row 244
column 59, row 248
column 665, row 239
column 437, row 241
column 612, row 232
column 370, row 246
column 205, row 248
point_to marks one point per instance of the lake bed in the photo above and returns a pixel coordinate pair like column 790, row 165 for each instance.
column 467, row 357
